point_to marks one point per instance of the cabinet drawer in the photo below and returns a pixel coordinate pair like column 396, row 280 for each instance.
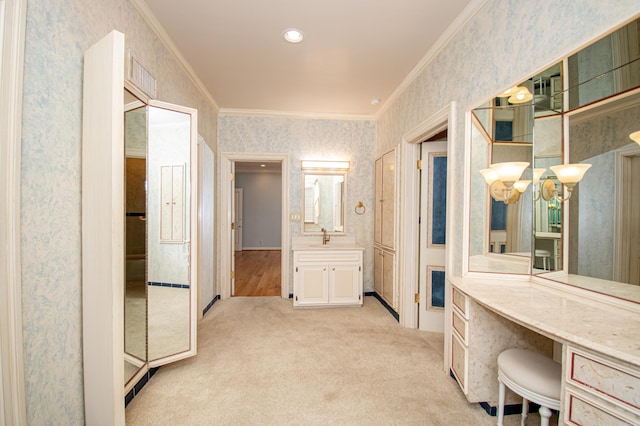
column 581, row 411
column 604, row 379
column 461, row 302
column 460, row 326
column 459, row 361
column 330, row 256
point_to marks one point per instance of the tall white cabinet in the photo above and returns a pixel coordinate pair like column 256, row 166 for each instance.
column 385, row 228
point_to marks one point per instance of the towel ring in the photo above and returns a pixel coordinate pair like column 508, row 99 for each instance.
column 360, row 208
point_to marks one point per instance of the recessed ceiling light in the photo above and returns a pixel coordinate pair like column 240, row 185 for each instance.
column 293, row 35
column 263, row 165
column 375, row 101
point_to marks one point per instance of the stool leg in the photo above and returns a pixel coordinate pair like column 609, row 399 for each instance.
column 525, row 411
column 500, row 402
column 545, row 413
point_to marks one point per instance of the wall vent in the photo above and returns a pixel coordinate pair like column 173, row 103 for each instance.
column 142, row 78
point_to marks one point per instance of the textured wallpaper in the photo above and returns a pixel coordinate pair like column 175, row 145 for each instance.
column 314, row 139
column 506, row 41
column 57, row 34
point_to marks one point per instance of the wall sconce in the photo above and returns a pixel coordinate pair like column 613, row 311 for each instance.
column 324, row 165
column 569, row 175
column 517, row 95
column 537, row 174
column 635, row 136
column 504, row 181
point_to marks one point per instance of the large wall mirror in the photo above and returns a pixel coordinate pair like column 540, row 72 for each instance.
column 159, row 308
column 324, row 186
column 582, row 112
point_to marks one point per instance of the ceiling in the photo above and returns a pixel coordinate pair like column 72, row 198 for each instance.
column 353, row 50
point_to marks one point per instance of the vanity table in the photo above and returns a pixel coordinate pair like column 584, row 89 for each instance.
column 327, row 275
column 600, row 345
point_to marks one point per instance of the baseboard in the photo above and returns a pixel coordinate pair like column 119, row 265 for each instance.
column 385, row 304
column 138, row 387
column 214, row 300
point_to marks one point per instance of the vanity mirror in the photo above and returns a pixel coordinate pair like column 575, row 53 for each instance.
column 582, row 113
column 324, row 186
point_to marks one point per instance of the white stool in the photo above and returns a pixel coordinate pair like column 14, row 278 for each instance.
column 545, row 255
column 533, row 376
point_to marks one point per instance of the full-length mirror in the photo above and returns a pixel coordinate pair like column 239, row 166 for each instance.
column 324, row 189
column 160, row 281
column 135, row 288
column 584, row 158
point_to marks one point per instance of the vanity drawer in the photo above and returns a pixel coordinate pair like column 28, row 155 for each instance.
column 604, row 379
column 583, row 411
column 459, row 361
column 460, row 326
column 461, row 302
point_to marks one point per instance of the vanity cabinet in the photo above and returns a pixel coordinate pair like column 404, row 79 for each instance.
column 599, row 390
column 478, row 336
column 327, row 277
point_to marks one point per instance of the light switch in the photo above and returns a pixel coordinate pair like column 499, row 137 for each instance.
column 294, row 217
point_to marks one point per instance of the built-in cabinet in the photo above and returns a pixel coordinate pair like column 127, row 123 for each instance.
column 327, row 277
column 599, row 390
column 385, row 227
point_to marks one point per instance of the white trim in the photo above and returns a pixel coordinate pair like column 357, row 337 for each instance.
column 12, row 34
column 409, row 198
column 159, row 31
column 226, row 161
column 458, row 23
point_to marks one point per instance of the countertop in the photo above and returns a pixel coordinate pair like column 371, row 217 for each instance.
column 562, row 316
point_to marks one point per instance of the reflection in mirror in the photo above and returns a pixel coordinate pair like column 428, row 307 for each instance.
column 135, row 304
column 168, row 232
column 589, row 124
column 323, row 197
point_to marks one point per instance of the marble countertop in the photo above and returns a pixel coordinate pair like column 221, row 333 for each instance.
column 564, row 317
column 315, row 243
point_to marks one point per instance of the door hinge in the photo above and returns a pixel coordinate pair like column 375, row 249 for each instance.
column 233, row 274
column 296, row 269
column 419, row 164
column 233, row 226
column 296, row 298
column 232, row 177
column 417, row 297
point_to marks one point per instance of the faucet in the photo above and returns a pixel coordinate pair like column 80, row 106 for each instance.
column 325, row 237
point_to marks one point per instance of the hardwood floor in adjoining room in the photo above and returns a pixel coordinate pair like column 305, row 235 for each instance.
column 257, row 273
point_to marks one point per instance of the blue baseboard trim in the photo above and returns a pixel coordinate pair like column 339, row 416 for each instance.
column 214, row 300
column 172, row 285
column 385, row 304
column 138, row 387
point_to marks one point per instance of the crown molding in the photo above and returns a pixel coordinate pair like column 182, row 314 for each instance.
column 461, row 20
column 158, row 29
column 295, row 114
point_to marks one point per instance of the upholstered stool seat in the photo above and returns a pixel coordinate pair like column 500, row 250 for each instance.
column 533, row 376
column 546, row 257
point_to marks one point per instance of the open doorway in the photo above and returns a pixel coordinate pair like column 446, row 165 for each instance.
column 257, row 213
column 228, row 256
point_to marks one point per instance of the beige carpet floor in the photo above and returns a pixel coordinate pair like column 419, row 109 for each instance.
column 260, row 362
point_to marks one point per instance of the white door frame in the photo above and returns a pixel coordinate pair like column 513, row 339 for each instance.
column 620, row 157
column 13, row 18
column 408, row 226
column 227, row 159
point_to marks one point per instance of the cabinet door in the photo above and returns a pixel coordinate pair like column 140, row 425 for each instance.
column 377, row 214
column 344, row 284
column 388, row 278
column 388, row 234
column 311, row 286
column 378, row 283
